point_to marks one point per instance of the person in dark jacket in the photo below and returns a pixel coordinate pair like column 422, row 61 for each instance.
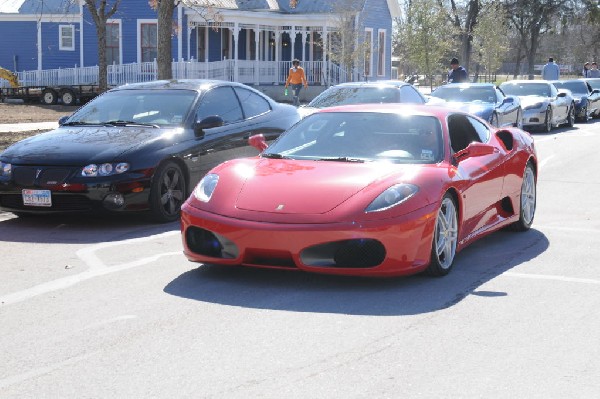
column 457, row 74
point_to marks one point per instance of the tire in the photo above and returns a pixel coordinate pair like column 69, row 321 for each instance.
column 445, row 236
column 49, row 97
column 585, row 118
column 527, row 200
column 68, row 97
column 168, row 192
column 571, row 116
column 494, row 120
column 519, row 122
column 547, row 128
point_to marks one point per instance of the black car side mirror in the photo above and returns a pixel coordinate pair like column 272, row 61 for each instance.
column 207, row 123
column 63, row 120
column 509, row 100
column 595, row 91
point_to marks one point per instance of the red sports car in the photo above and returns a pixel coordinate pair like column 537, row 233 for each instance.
column 376, row 190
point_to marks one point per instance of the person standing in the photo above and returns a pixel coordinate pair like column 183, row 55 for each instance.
column 551, row 70
column 594, row 72
column 457, row 74
column 296, row 79
column 586, row 68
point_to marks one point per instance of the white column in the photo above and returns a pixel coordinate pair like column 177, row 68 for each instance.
column 304, row 34
column 256, row 55
column 293, row 42
column 236, row 34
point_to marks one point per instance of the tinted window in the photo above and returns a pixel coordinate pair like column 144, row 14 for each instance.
column 527, row 89
column 252, row 104
column 575, row 86
column 355, row 95
column 482, row 130
column 464, row 130
column 220, row 101
column 409, row 94
column 465, row 94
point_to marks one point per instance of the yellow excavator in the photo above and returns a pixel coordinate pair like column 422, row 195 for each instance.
column 10, row 76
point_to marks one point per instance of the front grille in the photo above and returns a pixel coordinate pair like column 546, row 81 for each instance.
column 60, row 202
column 28, row 176
column 354, row 253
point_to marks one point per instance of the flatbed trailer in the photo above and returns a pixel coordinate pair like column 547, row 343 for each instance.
column 67, row 95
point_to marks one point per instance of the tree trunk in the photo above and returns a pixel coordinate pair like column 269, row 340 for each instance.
column 102, row 65
column 165, row 30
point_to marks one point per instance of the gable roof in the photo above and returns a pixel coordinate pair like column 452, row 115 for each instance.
column 49, row 7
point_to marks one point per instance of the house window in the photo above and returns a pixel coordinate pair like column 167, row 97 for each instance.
column 368, row 52
column 381, row 53
column 113, row 48
column 149, row 42
column 67, row 37
column 202, row 35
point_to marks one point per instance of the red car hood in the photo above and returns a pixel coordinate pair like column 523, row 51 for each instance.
column 307, row 187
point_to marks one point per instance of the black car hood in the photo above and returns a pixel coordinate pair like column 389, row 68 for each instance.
column 83, row 145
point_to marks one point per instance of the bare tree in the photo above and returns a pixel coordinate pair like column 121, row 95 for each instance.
column 463, row 15
column 101, row 11
column 167, row 27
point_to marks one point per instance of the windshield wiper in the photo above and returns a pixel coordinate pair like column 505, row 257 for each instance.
column 79, row 123
column 343, row 159
column 273, row 155
column 129, row 123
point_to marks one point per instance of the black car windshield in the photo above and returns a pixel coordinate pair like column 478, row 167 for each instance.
column 143, row 107
column 362, row 136
column 465, row 94
column 526, row 89
column 576, row 87
column 355, row 95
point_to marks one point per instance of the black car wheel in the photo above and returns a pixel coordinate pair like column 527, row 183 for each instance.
column 445, row 238
column 547, row 128
column 584, row 113
column 571, row 116
column 168, row 192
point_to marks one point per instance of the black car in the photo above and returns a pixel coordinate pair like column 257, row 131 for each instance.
column 138, row 147
column 378, row 92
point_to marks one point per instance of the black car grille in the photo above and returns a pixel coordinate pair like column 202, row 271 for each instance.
column 60, row 202
column 30, row 175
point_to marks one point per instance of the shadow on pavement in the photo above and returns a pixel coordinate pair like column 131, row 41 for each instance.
column 304, row 292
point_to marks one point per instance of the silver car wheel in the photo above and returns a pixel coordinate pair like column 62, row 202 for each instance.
column 446, row 233
column 528, row 193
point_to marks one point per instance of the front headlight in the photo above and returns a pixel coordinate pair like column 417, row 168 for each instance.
column 105, row 169
column 535, row 106
column 392, row 196
column 205, row 189
column 5, row 170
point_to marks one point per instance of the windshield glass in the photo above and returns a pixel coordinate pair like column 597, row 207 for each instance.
column 465, row 94
column 575, row 87
column 154, row 107
column 526, row 89
column 368, row 136
column 355, row 95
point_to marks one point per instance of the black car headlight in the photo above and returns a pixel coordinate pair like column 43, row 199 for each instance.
column 104, row 169
column 5, row 170
column 206, row 187
column 392, row 196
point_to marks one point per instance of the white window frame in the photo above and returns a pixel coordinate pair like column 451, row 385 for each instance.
column 369, row 31
column 381, row 52
column 140, row 22
column 62, row 29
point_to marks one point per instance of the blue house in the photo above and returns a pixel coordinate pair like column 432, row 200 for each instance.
column 250, row 41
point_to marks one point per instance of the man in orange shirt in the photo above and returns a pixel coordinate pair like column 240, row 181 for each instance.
column 296, row 79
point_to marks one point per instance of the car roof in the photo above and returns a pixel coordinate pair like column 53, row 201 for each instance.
column 178, row 84
column 526, row 82
column 439, row 112
column 378, row 83
column 465, row 85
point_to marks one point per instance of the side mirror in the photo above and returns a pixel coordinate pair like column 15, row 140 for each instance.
column 474, row 149
column 63, row 120
column 207, row 123
column 562, row 94
column 595, row 91
column 508, row 100
column 259, row 142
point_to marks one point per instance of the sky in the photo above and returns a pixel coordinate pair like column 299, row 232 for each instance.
column 10, row 5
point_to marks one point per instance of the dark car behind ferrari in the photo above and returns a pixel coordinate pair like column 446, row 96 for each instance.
column 139, row 147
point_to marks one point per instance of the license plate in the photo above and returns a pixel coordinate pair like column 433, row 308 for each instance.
column 37, row 198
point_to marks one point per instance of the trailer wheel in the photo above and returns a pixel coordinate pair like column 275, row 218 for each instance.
column 67, row 97
column 49, row 97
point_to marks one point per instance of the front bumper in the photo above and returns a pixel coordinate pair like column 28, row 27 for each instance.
column 388, row 247
column 71, row 193
column 534, row 117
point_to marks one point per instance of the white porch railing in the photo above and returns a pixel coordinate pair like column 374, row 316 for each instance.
column 243, row 71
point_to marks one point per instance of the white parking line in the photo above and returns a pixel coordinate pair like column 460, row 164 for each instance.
column 96, row 268
column 552, row 277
